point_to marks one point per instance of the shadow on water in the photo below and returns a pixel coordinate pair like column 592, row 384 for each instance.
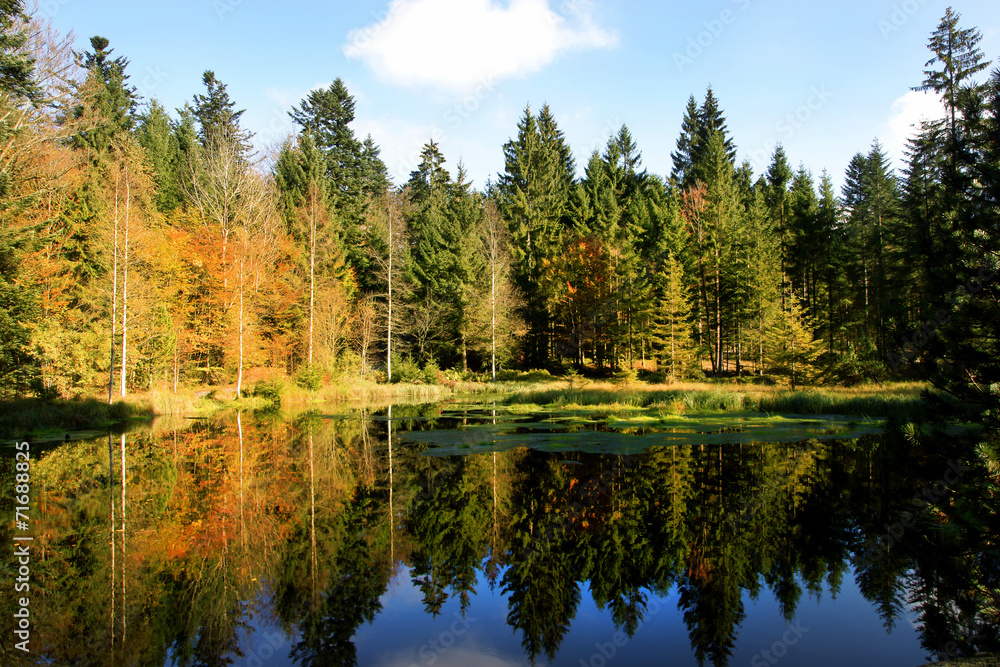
column 426, row 534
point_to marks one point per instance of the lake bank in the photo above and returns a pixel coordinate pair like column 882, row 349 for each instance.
column 523, row 391
column 900, row 400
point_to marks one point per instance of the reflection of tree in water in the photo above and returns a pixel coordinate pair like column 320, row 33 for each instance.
column 356, row 578
column 543, row 593
column 716, row 522
column 953, row 565
column 333, row 571
column 449, row 524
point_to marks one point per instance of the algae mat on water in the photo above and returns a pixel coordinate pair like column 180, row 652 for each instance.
column 611, row 434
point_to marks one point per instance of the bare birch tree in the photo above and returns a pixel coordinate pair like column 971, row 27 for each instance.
column 389, row 235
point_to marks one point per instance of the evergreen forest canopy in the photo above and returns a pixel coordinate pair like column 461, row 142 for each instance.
column 142, row 248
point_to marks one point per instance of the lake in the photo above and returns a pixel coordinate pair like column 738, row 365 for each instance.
column 469, row 533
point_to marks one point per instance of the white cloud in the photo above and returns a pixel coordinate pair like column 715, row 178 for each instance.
column 459, row 44
column 904, row 120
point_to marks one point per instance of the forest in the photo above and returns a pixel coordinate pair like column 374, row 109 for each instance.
column 142, row 247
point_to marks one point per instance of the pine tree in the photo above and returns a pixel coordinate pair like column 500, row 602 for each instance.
column 779, row 174
column 792, row 348
column 355, row 174
column 17, row 66
column 107, row 102
column 957, row 51
column 673, row 326
column 18, row 311
column 959, row 347
column 461, row 236
column 327, row 114
column 831, row 266
column 682, row 174
column 156, row 136
column 805, row 245
column 532, row 195
column 871, row 198
column 374, row 174
column 218, row 119
column 711, row 121
column 430, row 177
column 763, row 277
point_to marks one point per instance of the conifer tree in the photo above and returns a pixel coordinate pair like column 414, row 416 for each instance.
column 155, row 135
column 682, row 174
column 959, row 57
column 779, row 175
column 792, row 348
column 218, row 119
column 533, row 198
column 803, row 212
column 107, row 101
column 673, row 326
column 17, row 65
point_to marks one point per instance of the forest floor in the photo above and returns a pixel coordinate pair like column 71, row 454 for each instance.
column 51, row 419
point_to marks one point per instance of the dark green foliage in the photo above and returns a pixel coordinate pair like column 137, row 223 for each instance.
column 959, row 58
column 445, row 268
column 17, row 67
column 354, row 174
column 18, row 310
column 533, row 195
column 682, row 173
column 163, row 153
column 108, row 102
column 218, row 119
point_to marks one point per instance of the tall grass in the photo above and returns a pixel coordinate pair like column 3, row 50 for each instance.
column 901, row 401
column 22, row 417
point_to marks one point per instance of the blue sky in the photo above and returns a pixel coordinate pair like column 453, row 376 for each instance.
column 824, row 79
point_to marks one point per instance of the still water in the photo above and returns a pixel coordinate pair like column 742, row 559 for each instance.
column 460, row 534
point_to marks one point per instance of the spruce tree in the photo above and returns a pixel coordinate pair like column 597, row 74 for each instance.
column 957, row 53
column 959, row 347
column 673, row 325
column 17, row 66
column 533, row 196
column 163, row 153
column 107, row 101
column 327, row 114
column 218, row 119
column 710, row 121
column 355, row 173
column 682, row 174
column 805, row 244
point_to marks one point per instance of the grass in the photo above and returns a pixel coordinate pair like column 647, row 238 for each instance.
column 29, row 416
column 526, row 392
column 899, row 400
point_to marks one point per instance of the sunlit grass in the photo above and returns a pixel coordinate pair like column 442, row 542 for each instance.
column 22, row 417
column 899, row 400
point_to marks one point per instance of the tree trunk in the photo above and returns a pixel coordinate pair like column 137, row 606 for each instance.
column 128, row 205
column 493, row 322
column 239, row 369
column 114, row 298
column 312, row 272
column 388, row 336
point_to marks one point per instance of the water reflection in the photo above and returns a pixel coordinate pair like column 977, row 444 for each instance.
column 253, row 540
